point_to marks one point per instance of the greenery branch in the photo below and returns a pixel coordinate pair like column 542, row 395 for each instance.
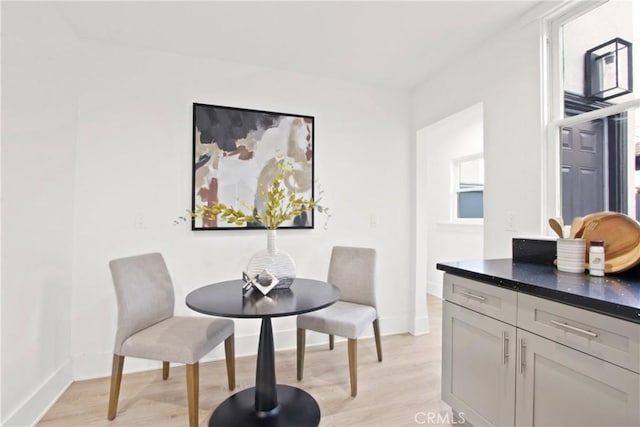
column 278, row 207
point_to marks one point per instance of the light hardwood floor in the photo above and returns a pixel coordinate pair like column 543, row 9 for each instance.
column 405, row 385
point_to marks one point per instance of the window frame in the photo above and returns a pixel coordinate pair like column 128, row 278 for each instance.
column 553, row 105
column 455, row 171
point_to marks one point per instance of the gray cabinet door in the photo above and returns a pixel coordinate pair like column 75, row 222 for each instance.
column 478, row 366
column 560, row 386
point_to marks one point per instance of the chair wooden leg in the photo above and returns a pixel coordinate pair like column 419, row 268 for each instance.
column 331, row 342
column 230, row 355
column 352, row 348
column 193, row 376
column 165, row 370
column 116, row 379
column 376, row 333
column 300, row 343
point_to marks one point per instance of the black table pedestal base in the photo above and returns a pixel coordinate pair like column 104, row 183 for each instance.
column 296, row 408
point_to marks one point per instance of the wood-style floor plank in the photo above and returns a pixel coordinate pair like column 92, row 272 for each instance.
column 393, row 392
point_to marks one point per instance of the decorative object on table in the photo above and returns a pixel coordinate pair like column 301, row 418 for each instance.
column 248, row 283
column 264, row 281
column 237, row 153
column 272, row 262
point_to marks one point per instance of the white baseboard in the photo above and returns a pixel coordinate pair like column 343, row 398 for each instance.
column 420, row 326
column 391, row 326
column 435, row 288
column 31, row 409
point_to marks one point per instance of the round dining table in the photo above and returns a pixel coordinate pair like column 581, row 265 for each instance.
column 267, row 403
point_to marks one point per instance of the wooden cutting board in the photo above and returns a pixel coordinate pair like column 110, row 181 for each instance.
column 621, row 236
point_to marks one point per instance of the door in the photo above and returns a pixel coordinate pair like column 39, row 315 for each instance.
column 583, row 176
column 594, row 161
column 560, row 386
column 478, row 366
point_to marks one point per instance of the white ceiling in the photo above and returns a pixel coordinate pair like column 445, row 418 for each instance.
column 393, row 44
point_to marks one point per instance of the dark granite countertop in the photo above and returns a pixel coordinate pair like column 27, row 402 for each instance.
column 613, row 295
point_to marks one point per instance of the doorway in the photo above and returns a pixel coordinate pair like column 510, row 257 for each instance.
column 441, row 234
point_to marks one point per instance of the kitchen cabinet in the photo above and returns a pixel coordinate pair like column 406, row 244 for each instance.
column 560, row 386
column 478, row 366
column 510, row 358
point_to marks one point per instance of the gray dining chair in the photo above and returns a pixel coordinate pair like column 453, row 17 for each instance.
column 148, row 329
column 353, row 271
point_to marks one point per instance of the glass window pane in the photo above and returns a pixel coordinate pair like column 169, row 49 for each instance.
column 470, row 204
column 598, row 166
column 595, row 54
column 470, row 187
column 471, row 173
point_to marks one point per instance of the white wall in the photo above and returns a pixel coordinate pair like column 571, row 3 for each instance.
column 134, row 159
column 38, row 144
column 444, row 142
column 504, row 75
column 96, row 135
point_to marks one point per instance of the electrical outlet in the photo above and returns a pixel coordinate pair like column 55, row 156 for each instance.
column 138, row 222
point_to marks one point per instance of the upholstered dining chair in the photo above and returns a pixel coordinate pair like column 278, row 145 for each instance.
column 148, row 329
column 353, row 271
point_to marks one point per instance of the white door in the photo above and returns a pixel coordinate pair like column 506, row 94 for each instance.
column 478, row 366
column 560, row 386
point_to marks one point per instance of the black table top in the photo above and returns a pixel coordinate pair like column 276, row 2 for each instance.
column 225, row 299
column 613, row 295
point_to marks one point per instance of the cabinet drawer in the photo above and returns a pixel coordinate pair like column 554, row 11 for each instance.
column 614, row 340
column 496, row 302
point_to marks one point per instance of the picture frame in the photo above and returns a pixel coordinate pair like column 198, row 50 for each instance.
column 236, row 152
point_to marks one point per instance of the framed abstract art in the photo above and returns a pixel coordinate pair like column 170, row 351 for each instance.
column 237, row 152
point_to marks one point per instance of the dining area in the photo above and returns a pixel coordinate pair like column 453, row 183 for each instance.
column 223, row 309
column 280, row 185
column 390, row 393
column 344, row 305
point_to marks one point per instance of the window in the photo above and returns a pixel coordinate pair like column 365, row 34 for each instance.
column 593, row 112
column 469, row 173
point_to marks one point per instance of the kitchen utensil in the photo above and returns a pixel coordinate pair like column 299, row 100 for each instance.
column 576, row 226
column 557, row 225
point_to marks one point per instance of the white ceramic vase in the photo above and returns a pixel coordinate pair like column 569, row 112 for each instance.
column 272, row 262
